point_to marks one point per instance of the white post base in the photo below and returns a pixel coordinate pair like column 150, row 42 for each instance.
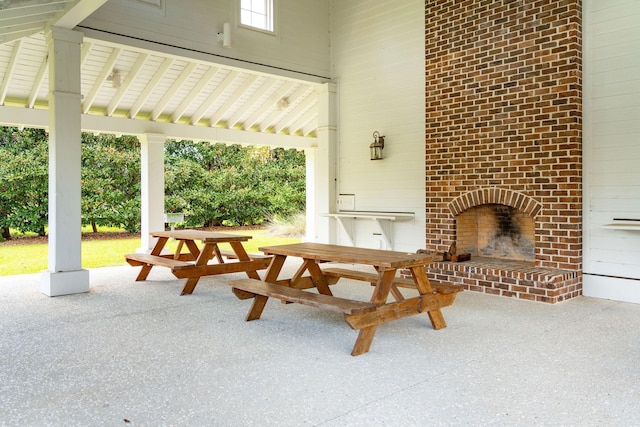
column 58, row 283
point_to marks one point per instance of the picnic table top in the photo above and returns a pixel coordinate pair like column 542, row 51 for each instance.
column 204, row 236
column 380, row 258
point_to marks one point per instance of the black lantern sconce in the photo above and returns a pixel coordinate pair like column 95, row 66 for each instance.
column 377, row 146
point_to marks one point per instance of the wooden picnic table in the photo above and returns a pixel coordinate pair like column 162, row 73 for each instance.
column 360, row 315
column 196, row 262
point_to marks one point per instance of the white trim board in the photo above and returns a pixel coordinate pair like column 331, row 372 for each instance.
column 613, row 288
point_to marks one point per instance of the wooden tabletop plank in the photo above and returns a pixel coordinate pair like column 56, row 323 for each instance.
column 376, row 257
column 203, row 236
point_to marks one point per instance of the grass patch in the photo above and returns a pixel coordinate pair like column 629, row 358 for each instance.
column 32, row 258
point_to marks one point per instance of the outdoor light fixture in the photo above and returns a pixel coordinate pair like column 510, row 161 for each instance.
column 115, row 78
column 377, row 146
column 225, row 35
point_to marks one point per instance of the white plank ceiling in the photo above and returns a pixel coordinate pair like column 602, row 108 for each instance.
column 121, row 81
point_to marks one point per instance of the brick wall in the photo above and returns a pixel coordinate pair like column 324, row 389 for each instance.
column 503, row 114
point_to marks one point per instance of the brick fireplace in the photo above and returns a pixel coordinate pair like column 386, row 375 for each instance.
column 503, row 145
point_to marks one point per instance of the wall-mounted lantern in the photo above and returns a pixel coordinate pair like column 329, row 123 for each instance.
column 377, row 146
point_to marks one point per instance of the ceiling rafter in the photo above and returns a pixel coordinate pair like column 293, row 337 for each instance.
column 250, row 103
column 124, row 85
column 193, row 94
column 84, row 53
column 102, row 77
column 25, row 18
column 213, row 97
column 299, row 125
column 175, row 87
column 24, row 8
column 277, row 114
column 232, row 99
column 37, row 84
column 166, row 64
column 268, row 104
column 295, row 112
column 24, row 28
column 10, row 70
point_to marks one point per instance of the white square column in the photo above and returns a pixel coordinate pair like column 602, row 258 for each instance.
column 321, row 170
column 151, row 188
column 65, row 274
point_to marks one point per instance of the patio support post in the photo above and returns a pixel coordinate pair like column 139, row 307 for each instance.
column 151, row 188
column 65, row 274
column 321, row 170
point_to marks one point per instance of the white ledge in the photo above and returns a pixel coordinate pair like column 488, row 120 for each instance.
column 378, row 217
column 391, row 216
column 623, row 226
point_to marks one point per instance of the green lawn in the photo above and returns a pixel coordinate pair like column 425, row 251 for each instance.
column 23, row 259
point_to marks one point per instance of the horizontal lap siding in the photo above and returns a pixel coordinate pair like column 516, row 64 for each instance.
column 301, row 43
column 612, row 136
column 377, row 57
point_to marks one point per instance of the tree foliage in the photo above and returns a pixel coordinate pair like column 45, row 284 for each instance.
column 23, row 180
column 111, row 181
column 212, row 184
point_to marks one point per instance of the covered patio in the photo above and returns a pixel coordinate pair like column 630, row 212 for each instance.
column 130, row 353
column 64, row 68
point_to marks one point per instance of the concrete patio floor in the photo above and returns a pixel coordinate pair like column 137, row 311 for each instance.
column 138, row 354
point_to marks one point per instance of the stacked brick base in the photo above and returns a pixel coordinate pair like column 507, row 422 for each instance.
column 510, row 278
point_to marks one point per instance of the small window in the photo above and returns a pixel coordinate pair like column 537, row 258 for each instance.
column 257, row 14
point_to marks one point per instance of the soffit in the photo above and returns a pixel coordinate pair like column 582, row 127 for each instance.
column 122, row 81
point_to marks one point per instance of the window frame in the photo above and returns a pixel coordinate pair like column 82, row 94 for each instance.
column 270, row 15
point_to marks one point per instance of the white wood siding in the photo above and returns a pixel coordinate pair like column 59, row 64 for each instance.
column 300, row 43
column 377, row 53
column 611, row 146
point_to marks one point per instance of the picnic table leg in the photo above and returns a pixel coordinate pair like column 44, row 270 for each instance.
column 146, row 268
column 144, row 272
column 256, row 308
column 242, row 255
column 193, row 249
column 319, row 280
column 271, row 276
column 203, row 257
column 218, row 255
column 176, row 255
column 379, row 297
column 365, row 338
column 189, row 286
column 424, row 287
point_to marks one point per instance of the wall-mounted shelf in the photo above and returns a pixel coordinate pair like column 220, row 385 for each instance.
column 382, row 219
column 616, row 226
column 624, row 224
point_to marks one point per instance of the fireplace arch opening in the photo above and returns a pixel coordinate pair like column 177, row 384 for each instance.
column 496, row 223
column 496, row 231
